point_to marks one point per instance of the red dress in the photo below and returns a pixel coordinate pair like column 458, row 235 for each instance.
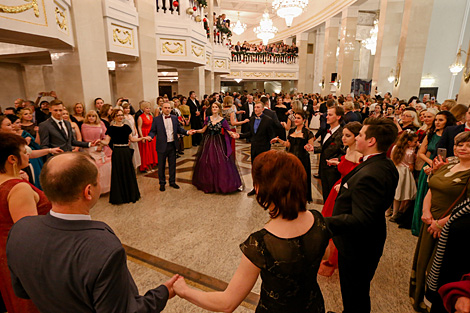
column 12, row 302
column 148, row 149
column 344, row 167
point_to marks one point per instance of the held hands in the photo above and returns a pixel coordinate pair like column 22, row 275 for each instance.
column 274, row 140
column 148, row 138
column 246, row 121
column 234, row 135
column 309, row 147
column 198, row 113
column 332, row 162
column 180, row 286
column 94, row 143
column 169, row 284
column 191, row 132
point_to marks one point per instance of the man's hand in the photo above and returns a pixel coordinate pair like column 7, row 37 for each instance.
column 148, row 138
column 94, row 143
column 24, row 175
column 53, row 94
column 198, row 113
column 169, row 285
column 55, row 151
column 235, row 135
column 180, row 286
column 462, row 305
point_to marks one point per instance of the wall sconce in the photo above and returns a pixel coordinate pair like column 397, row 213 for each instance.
column 391, row 76
column 456, row 67
column 111, row 65
column 397, row 76
column 337, row 82
column 322, row 83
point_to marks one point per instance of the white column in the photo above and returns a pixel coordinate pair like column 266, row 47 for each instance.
column 319, row 49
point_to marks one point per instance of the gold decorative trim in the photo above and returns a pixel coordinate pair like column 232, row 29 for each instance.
column 62, row 25
column 193, row 50
column 127, row 39
column 208, row 60
column 21, row 8
column 219, row 64
column 285, row 75
column 179, row 47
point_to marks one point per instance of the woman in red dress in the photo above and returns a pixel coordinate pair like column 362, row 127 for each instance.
column 148, row 150
column 347, row 164
column 18, row 198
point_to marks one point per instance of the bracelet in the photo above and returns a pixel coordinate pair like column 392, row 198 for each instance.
column 437, row 225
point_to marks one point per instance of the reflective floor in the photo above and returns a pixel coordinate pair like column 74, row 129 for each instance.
column 198, row 235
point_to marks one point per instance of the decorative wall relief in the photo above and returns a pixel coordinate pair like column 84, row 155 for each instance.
column 197, row 50
column 173, row 47
column 30, row 12
column 61, row 19
column 32, row 4
column 122, row 36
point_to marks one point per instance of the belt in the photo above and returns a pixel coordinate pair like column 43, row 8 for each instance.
column 117, row 145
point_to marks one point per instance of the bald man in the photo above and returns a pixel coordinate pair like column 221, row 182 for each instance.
column 64, row 261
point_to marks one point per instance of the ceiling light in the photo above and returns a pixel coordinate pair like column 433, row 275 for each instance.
column 265, row 30
column 457, row 66
column 371, row 42
column 164, row 73
column 239, row 27
column 238, row 80
column 288, row 9
column 111, row 65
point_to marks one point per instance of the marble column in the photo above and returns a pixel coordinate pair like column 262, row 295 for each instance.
column 329, row 52
column 319, row 49
column 347, row 49
column 286, row 86
column 306, row 63
column 81, row 75
column 33, row 81
column 217, row 85
column 388, row 38
column 412, row 46
column 138, row 80
column 192, row 79
column 209, row 81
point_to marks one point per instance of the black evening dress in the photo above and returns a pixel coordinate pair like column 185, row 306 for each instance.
column 289, row 268
column 124, row 188
column 297, row 148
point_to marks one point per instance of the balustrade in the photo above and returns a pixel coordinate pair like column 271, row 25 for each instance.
column 168, row 5
column 264, row 57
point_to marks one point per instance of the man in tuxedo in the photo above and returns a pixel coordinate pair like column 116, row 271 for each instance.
column 64, row 261
column 166, row 127
column 57, row 132
column 447, row 138
column 358, row 223
column 248, row 107
column 196, row 118
column 261, row 131
column 278, row 128
column 332, row 147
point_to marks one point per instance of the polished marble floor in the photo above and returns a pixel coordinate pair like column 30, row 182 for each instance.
column 199, row 234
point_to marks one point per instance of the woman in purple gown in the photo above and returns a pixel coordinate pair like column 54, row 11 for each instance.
column 215, row 169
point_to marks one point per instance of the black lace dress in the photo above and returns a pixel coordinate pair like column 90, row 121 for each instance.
column 297, row 145
column 289, row 269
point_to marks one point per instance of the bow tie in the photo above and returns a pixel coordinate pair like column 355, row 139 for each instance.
column 328, row 131
column 167, row 116
column 257, row 117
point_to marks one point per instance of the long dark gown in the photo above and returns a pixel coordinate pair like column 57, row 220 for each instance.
column 124, row 188
column 297, row 145
column 215, row 169
column 289, row 268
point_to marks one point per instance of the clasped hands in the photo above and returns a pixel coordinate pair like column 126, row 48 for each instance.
column 176, row 286
column 428, row 219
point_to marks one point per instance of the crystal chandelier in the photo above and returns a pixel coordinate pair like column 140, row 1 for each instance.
column 265, row 30
column 371, row 42
column 239, row 27
column 288, row 9
column 457, row 66
column 391, row 76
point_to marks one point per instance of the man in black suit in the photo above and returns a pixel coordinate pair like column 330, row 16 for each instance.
column 261, row 131
column 248, row 107
column 64, row 261
column 349, row 115
column 196, row 118
column 358, row 222
column 447, row 138
column 57, row 132
column 332, row 147
column 278, row 128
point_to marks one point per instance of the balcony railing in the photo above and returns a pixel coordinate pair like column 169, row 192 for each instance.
column 264, row 57
column 167, row 5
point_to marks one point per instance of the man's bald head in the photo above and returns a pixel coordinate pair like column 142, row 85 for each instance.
column 64, row 177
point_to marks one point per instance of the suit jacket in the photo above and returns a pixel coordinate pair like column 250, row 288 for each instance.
column 262, row 138
column 158, row 129
column 246, row 108
column 52, row 137
column 447, row 138
column 136, row 116
column 196, row 121
column 358, row 221
column 351, row 117
column 331, row 148
column 74, row 266
column 277, row 125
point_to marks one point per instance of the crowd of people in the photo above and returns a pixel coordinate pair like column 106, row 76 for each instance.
column 271, row 53
column 408, row 160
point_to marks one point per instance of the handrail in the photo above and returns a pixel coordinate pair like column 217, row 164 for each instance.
column 264, row 57
column 164, row 5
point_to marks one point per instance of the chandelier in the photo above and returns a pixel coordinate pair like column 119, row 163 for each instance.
column 371, row 42
column 288, row 9
column 265, row 30
column 457, row 66
column 391, row 76
column 239, row 27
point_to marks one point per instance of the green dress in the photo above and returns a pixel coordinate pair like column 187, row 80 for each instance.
column 423, row 188
column 445, row 188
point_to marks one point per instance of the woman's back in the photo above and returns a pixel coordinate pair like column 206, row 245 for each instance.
column 289, row 268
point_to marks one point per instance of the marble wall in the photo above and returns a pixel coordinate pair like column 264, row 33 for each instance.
column 11, row 80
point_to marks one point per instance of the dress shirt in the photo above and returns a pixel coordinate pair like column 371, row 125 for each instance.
column 169, row 128
column 61, row 127
column 467, row 127
column 250, row 108
column 369, row 156
column 329, row 134
column 71, row 217
column 257, row 122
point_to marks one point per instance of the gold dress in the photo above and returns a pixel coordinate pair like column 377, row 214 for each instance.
column 187, row 115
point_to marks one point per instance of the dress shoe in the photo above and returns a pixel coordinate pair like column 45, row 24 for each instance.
column 252, row 192
column 175, row 186
column 162, row 187
column 178, row 156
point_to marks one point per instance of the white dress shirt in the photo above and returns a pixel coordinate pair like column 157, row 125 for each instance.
column 328, row 135
column 251, row 108
column 169, row 128
column 71, row 217
column 63, row 125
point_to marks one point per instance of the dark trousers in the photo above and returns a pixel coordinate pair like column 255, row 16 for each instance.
column 328, row 176
column 355, row 275
column 257, row 150
column 169, row 154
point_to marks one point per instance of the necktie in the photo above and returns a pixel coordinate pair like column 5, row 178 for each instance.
column 167, row 116
column 62, row 129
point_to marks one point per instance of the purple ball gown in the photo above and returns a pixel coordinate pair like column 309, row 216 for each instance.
column 215, row 169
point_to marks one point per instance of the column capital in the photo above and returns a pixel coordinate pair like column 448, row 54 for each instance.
column 351, row 11
column 302, row 36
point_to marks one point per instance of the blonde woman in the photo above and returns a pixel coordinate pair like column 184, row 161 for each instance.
column 296, row 107
column 92, row 130
column 186, row 112
column 78, row 114
column 26, row 119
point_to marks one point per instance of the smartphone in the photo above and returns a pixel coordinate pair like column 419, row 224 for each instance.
column 442, row 152
column 433, row 98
